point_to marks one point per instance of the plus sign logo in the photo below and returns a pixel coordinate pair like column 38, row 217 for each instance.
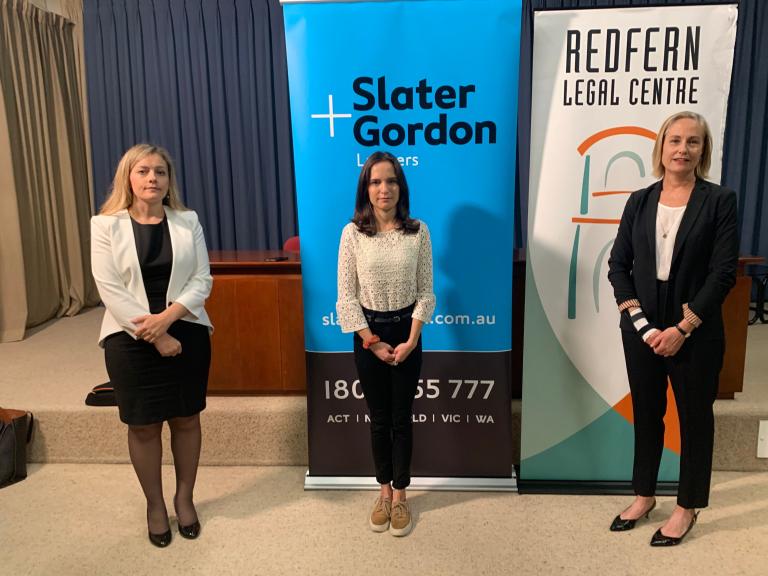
column 331, row 115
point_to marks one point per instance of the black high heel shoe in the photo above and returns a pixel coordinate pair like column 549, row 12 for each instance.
column 191, row 531
column 619, row 524
column 661, row 539
column 159, row 540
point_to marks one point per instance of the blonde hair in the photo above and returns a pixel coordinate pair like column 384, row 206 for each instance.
column 121, row 196
column 702, row 168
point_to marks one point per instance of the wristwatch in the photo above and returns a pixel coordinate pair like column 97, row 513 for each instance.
column 683, row 332
column 368, row 342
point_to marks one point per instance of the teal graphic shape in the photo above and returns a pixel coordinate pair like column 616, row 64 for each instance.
column 584, row 208
column 597, row 275
column 557, row 400
column 626, row 154
column 601, row 451
column 572, row 269
column 568, row 431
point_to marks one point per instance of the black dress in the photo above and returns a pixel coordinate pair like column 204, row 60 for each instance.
column 150, row 388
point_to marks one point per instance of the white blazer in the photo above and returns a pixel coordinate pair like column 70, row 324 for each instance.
column 116, row 269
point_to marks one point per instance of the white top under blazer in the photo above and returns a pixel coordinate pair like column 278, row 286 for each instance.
column 668, row 220
column 116, row 269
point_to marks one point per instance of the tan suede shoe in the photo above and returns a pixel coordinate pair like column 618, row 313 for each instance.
column 379, row 520
column 400, row 523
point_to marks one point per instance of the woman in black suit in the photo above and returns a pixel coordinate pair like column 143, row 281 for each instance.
column 671, row 266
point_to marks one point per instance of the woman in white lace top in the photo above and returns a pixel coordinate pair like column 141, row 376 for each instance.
column 385, row 297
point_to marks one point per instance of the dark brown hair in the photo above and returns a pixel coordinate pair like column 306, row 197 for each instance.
column 364, row 217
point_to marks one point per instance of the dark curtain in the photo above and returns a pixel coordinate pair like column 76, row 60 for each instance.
column 745, row 149
column 207, row 80
column 746, row 131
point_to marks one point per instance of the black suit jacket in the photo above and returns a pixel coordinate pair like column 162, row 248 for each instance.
column 704, row 258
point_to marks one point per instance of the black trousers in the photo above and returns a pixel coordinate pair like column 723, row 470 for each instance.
column 389, row 392
column 694, row 373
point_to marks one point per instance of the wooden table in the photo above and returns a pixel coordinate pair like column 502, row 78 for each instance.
column 257, row 312
column 736, row 321
column 258, row 344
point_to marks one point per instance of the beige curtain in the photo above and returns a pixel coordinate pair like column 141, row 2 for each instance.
column 72, row 10
column 44, row 258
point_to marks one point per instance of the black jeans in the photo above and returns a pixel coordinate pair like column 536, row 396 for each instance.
column 389, row 392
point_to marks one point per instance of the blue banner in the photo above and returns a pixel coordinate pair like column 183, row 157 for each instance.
column 435, row 83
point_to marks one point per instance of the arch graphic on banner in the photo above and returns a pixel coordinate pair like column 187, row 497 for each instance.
column 624, row 405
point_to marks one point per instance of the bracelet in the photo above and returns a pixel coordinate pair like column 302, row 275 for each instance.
column 368, row 342
column 683, row 332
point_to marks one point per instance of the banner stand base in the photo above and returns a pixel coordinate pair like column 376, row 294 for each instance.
column 417, row 483
column 580, row 487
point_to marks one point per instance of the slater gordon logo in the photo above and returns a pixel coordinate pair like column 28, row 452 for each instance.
column 433, row 125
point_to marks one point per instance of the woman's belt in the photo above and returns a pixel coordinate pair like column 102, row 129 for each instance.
column 391, row 317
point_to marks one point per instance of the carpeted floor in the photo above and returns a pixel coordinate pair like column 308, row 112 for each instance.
column 80, row 519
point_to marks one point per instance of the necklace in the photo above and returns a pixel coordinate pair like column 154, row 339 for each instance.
column 670, row 218
column 665, row 232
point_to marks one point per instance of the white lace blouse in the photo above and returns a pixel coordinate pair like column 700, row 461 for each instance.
column 385, row 272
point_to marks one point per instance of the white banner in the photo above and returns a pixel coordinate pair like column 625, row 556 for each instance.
column 603, row 82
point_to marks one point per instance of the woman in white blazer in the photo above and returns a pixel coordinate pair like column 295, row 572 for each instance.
column 150, row 264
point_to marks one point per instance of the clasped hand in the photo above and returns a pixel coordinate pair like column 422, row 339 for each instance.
column 390, row 355
column 151, row 326
column 167, row 345
column 666, row 343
